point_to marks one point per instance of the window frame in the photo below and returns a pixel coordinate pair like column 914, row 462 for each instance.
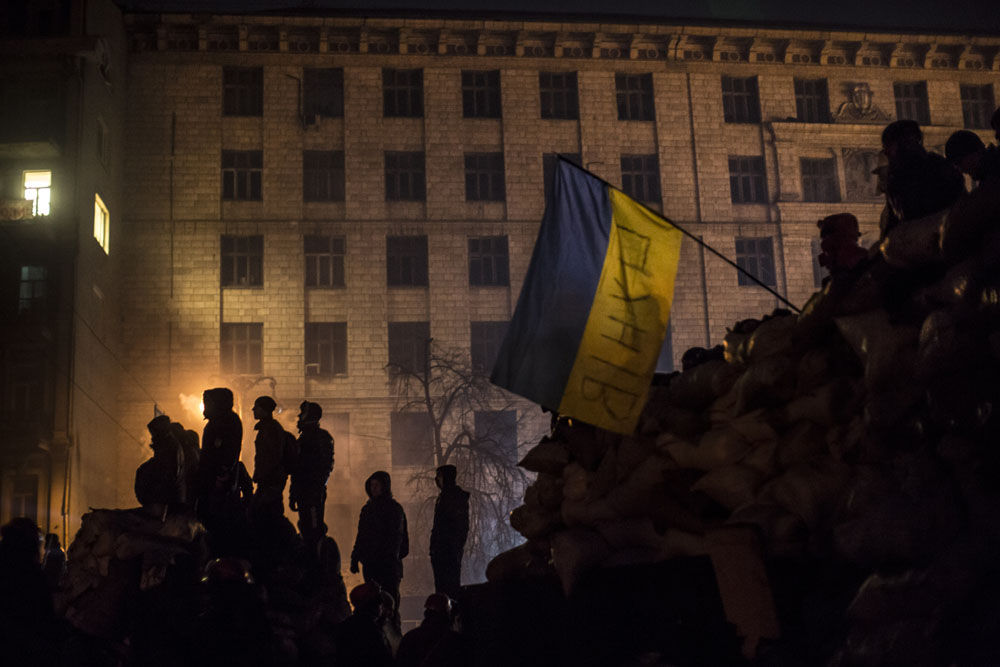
column 402, row 92
column 977, row 110
column 634, row 96
column 230, row 256
column 333, row 254
column 481, row 94
column 325, row 341
column 483, row 425
column 748, row 186
column 559, row 95
column 405, row 176
column 819, row 180
column 484, row 177
column 757, row 257
column 485, row 339
column 912, row 96
column 242, row 91
column 407, row 346
column 406, row 260
column 249, row 335
column 642, row 172
column 40, row 195
column 242, row 175
column 322, row 92
column 812, row 100
column 410, row 432
column 102, row 224
column 33, row 301
column 489, row 261
column 323, row 176
column 740, row 99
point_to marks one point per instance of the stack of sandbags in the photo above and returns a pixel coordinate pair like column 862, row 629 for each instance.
column 862, row 431
column 115, row 555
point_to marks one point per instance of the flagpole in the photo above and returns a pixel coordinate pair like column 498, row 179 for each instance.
column 694, row 238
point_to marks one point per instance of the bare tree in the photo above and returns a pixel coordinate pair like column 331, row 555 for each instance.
column 474, row 425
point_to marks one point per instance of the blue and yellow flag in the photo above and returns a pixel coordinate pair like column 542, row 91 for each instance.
column 593, row 312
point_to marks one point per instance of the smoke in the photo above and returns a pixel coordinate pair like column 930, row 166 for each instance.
column 192, row 405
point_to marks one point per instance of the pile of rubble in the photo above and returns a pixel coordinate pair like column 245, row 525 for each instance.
column 861, row 433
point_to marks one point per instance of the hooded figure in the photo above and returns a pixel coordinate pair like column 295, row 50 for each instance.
column 450, row 530
column 310, row 474
column 222, row 439
column 159, row 482
column 382, row 542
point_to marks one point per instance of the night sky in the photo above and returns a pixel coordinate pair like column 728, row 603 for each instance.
column 931, row 15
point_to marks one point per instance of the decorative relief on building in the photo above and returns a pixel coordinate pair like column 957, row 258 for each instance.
column 860, row 107
column 861, row 184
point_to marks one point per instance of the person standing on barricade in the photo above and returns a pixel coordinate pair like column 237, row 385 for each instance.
column 307, row 495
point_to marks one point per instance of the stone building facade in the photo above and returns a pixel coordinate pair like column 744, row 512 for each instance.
column 306, row 194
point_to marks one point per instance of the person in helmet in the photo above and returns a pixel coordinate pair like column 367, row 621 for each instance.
column 360, row 640
column 449, row 531
column 307, row 495
column 232, row 628
column 435, row 641
column 383, row 540
column 971, row 156
column 269, row 460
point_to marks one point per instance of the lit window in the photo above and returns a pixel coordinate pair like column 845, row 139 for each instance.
column 102, row 221
column 38, row 190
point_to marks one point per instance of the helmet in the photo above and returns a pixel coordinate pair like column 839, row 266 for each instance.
column 962, row 144
column 365, row 596
column 227, row 571
column 438, row 602
column 309, row 412
column 265, row 403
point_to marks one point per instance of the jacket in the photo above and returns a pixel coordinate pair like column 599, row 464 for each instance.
column 451, row 516
column 382, row 538
column 315, row 463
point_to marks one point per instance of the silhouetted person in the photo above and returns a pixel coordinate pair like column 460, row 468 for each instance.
column 188, row 440
column 383, row 540
column 435, row 641
column 307, row 495
column 53, row 561
column 26, row 614
column 360, row 640
column 270, row 460
column 918, row 183
column 970, row 156
column 449, row 531
column 839, row 236
column 159, row 482
column 221, row 442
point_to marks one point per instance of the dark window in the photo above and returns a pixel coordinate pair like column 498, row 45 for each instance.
column 665, row 362
column 323, row 175
column 489, row 263
column 756, row 255
column 481, row 94
column 25, row 389
column 497, row 429
column 404, row 176
column 326, row 348
column 641, row 178
column 24, row 497
column 977, row 106
column 406, row 261
column 402, row 92
column 484, row 177
column 911, row 101
column 549, row 162
column 323, row 92
column 635, row 96
column 241, row 175
column 485, row 340
column 324, row 261
column 408, row 343
column 242, row 91
column 32, row 291
column 412, row 439
column 241, row 349
column 746, row 180
column 812, row 100
column 242, row 261
column 740, row 102
column 558, row 95
column 819, row 180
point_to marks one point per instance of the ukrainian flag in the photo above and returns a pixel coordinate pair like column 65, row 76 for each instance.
column 593, row 312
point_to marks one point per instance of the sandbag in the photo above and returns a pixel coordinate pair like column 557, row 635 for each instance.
column 576, row 481
column 549, row 456
column 717, row 448
column 783, row 533
column 634, row 495
column 631, row 452
column 575, row 552
column 886, row 351
column 588, row 444
column 766, row 383
column 534, row 522
column 825, row 405
column 753, row 426
column 914, row 243
column 511, row 564
column 683, row 422
column 731, row 486
column 801, row 442
column 958, row 286
column 812, row 490
column 549, row 490
column 763, row 458
column 697, row 388
column 639, row 533
column 971, row 218
column 943, row 347
column 585, row 512
column 774, row 336
column 605, row 477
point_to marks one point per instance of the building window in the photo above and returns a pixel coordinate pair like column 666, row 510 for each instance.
column 102, row 222
column 24, row 497
column 635, row 96
column 412, row 439
column 484, row 177
column 32, row 291
column 323, row 175
column 641, row 178
column 819, row 180
column 812, row 100
column 481, row 94
column 408, row 343
column 25, row 391
column 325, row 261
column 746, row 180
column 322, row 93
column 485, row 339
column 404, row 176
column 558, row 95
column 756, row 256
column 740, row 102
column 406, row 261
column 241, row 175
column 326, row 348
column 911, row 101
column 498, row 430
column 402, row 93
column 241, row 349
column 242, row 260
column 549, row 162
column 38, row 190
column 242, row 91
column 977, row 106
column 489, row 264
